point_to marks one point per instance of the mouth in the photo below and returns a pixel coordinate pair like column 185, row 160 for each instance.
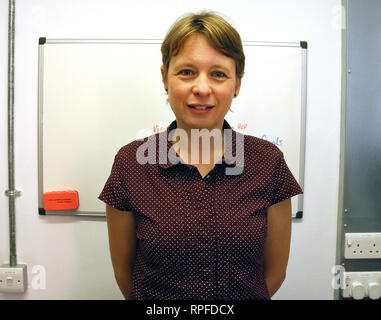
column 200, row 107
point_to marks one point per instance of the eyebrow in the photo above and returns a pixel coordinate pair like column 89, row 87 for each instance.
column 190, row 65
column 184, row 65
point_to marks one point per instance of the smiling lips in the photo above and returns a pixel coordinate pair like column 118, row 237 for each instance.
column 199, row 107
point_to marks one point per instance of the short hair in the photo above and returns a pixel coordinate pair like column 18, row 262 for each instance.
column 220, row 34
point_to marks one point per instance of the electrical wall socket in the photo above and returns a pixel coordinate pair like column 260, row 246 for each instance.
column 13, row 279
column 362, row 246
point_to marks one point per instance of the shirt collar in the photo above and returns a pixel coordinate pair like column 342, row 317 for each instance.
column 228, row 158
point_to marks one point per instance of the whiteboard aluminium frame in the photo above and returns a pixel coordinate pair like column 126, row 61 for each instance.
column 303, row 45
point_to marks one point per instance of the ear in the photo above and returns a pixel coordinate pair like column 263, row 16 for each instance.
column 162, row 77
column 237, row 88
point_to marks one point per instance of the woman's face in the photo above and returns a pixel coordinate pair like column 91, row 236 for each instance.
column 201, row 84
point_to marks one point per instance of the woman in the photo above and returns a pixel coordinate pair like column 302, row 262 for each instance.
column 189, row 229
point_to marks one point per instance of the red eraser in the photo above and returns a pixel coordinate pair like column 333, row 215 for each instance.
column 60, row 200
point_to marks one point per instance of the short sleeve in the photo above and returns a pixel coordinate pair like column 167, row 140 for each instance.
column 285, row 185
column 115, row 190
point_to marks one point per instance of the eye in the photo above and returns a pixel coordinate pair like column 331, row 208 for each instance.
column 186, row 72
column 218, row 74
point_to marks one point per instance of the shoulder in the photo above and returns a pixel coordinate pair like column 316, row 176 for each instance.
column 257, row 149
column 261, row 157
column 128, row 155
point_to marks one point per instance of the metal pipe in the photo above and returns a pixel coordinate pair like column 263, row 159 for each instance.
column 11, row 193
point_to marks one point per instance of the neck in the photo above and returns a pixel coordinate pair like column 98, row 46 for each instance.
column 199, row 146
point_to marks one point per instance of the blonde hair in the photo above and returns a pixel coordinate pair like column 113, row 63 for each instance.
column 221, row 35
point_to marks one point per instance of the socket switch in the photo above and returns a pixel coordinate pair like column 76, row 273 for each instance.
column 359, row 285
column 13, row 279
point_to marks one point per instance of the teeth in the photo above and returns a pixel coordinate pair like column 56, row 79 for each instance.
column 200, row 108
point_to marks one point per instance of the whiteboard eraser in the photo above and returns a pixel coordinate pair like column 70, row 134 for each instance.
column 60, row 200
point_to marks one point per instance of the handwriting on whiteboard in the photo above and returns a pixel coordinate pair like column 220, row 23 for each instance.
column 240, row 126
column 277, row 141
column 159, row 128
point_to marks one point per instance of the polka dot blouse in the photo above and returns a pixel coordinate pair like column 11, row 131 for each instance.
column 200, row 238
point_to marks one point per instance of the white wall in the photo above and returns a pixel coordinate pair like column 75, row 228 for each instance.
column 74, row 250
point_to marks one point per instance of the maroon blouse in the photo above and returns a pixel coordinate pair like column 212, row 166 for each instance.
column 200, row 238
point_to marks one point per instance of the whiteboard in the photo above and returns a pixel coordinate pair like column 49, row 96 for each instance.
column 96, row 96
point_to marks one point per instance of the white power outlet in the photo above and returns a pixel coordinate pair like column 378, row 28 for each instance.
column 362, row 246
column 13, row 279
column 359, row 285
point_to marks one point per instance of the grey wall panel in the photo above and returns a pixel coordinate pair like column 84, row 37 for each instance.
column 362, row 189
column 362, row 169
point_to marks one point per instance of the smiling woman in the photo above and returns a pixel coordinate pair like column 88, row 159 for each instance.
column 201, row 84
column 189, row 229
column 203, row 63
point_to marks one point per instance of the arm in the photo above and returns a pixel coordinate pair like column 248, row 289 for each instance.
column 277, row 245
column 122, row 241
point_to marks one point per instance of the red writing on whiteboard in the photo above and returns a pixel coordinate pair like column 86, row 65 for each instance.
column 158, row 128
column 240, row 126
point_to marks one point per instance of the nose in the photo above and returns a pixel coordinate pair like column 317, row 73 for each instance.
column 202, row 86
